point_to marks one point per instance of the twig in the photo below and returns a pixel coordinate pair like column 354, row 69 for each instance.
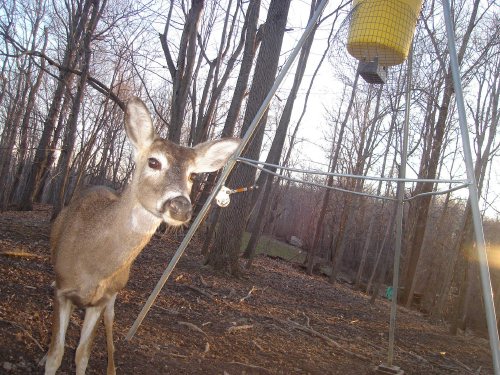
column 461, row 364
column 327, row 339
column 431, row 362
column 249, row 365
column 203, row 282
column 239, row 328
column 201, row 291
column 279, row 328
column 308, row 321
column 249, row 294
column 419, row 357
column 178, row 355
column 232, row 292
column 21, row 254
column 258, row 345
column 167, row 310
column 42, row 360
column 17, row 325
column 192, row 326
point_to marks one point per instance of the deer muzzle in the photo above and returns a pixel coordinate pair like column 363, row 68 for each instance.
column 179, row 209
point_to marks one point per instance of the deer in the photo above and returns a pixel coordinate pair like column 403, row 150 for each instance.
column 95, row 239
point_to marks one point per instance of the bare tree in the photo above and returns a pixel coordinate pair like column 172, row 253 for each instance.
column 181, row 71
column 21, row 106
column 485, row 114
column 226, row 248
column 428, row 169
column 251, row 43
column 65, row 158
column 329, row 180
column 278, row 142
column 41, row 160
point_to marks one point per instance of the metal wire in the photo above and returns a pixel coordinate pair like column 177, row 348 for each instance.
column 440, row 192
column 355, row 176
column 256, row 164
column 316, row 184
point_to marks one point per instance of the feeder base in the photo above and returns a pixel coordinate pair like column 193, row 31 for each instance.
column 392, row 370
column 372, row 72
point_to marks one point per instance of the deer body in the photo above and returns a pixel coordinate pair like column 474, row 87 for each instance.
column 96, row 238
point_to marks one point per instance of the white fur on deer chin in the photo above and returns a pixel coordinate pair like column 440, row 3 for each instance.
column 171, row 221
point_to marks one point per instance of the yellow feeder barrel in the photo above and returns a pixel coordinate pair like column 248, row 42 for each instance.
column 382, row 29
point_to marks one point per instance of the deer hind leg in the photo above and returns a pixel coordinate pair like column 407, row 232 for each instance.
column 60, row 319
column 92, row 316
column 109, row 316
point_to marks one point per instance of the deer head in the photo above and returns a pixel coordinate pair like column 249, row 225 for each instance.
column 165, row 171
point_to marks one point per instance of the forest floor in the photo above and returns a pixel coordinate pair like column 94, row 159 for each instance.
column 273, row 320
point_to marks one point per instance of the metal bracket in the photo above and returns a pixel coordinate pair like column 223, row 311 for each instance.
column 372, row 72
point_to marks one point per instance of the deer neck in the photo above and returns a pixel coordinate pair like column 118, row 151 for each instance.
column 138, row 220
column 133, row 226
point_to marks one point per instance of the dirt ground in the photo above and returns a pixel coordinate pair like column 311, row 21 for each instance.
column 273, row 320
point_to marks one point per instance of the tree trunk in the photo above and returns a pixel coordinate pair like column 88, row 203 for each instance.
column 205, row 119
column 41, row 159
column 9, row 136
column 353, row 203
column 466, row 254
column 27, row 119
column 369, row 234
column 249, row 50
column 181, row 72
column 69, row 139
column 383, row 257
column 419, row 210
column 333, row 165
column 228, row 236
column 277, row 144
column 21, row 107
column 45, row 179
column 234, row 108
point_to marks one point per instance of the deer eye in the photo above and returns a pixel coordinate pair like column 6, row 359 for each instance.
column 192, row 177
column 154, row 163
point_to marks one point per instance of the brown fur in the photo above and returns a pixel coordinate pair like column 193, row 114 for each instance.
column 96, row 238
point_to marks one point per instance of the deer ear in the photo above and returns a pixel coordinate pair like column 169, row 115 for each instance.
column 138, row 124
column 212, row 155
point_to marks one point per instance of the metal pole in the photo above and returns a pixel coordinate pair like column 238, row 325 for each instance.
column 225, row 173
column 399, row 212
column 473, row 195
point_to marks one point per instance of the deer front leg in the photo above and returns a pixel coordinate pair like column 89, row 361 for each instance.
column 92, row 316
column 109, row 316
column 60, row 320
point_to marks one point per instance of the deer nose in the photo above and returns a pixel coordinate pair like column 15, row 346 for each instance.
column 179, row 208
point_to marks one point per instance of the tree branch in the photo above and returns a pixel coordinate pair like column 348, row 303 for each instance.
column 94, row 82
